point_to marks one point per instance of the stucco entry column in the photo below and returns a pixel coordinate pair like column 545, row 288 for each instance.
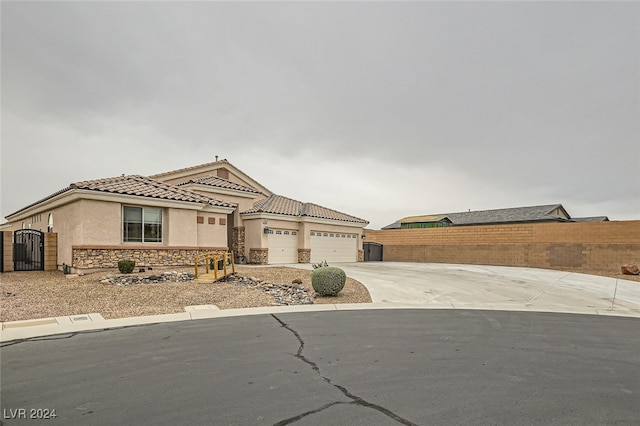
column 304, row 243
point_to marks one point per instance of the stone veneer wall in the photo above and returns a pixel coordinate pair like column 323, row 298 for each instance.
column 108, row 257
column 259, row 256
column 360, row 255
column 237, row 243
column 304, row 255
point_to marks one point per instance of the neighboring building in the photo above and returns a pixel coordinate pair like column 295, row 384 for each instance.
column 165, row 219
column 546, row 213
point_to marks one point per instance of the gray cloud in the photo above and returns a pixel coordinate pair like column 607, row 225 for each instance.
column 467, row 105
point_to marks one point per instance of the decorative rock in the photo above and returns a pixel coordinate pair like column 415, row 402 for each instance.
column 630, row 269
column 284, row 294
column 165, row 277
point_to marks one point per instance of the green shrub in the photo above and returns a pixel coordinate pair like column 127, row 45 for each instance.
column 328, row 280
column 126, row 266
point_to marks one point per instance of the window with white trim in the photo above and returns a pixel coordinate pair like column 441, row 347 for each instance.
column 142, row 225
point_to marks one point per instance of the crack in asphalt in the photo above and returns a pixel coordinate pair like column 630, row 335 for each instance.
column 62, row 336
column 355, row 400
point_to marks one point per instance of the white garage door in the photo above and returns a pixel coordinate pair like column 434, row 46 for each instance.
column 333, row 247
column 283, row 246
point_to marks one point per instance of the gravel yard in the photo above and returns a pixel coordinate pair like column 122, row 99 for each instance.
column 30, row 295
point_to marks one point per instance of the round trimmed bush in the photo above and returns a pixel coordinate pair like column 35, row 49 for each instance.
column 328, row 280
column 126, row 266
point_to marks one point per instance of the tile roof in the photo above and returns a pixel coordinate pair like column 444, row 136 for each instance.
column 135, row 185
column 220, row 183
column 277, row 204
column 146, row 187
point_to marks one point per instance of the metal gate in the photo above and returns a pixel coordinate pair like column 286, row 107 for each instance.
column 28, row 250
column 372, row 252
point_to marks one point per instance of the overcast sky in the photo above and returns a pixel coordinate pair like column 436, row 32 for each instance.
column 380, row 110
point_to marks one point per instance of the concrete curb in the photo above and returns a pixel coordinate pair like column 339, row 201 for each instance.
column 20, row 330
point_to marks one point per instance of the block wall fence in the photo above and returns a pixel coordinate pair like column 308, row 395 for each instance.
column 586, row 246
column 50, row 251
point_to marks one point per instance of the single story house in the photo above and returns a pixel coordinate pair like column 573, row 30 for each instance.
column 532, row 214
column 168, row 218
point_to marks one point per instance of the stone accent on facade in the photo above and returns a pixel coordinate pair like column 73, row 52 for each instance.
column 237, row 243
column 304, row 255
column 259, row 256
column 108, row 257
column 360, row 255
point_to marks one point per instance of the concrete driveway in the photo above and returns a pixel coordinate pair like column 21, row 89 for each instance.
column 438, row 285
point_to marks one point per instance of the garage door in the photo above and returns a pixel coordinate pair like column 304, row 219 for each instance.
column 283, row 246
column 333, row 247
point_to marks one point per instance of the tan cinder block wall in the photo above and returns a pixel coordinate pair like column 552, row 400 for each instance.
column 50, row 251
column 7, row 243
column 577, row 246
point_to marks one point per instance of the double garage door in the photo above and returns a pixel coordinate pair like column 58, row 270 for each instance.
column 329, row 246
column 333, row 247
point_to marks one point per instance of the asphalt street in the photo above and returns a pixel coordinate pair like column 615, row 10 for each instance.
column 364, row 367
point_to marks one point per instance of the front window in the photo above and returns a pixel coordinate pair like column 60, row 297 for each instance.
column 142, row 225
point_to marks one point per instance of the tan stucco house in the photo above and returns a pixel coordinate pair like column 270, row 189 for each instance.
column 167, row 218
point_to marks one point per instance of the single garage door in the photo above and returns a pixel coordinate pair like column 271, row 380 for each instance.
column 283, row 246
column 333, row 247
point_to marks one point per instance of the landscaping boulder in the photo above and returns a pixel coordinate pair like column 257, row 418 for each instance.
column 630, row 269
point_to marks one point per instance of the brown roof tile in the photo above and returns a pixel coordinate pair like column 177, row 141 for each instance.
column 145, row 187
column 220, row 183
column 277, row 204
column 135, row 185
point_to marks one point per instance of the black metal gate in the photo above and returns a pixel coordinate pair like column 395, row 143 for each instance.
column 28, row 250
column 372, row 252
